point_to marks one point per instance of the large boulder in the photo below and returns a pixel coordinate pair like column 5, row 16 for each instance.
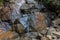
column 39, row 22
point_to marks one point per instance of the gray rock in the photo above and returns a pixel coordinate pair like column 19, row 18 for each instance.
column 56, row 23
column 5, row 26
column 30, row 1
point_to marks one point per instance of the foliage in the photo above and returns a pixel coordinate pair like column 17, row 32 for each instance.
column 1, row 0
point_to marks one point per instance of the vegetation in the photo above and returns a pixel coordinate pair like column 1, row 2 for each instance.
column 1, row 0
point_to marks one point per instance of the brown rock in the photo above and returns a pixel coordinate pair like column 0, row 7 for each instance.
column 6, row 9
column 5, row 13
column 8, row 36
column 20, row 28
column 2, row 31
column 40, row 21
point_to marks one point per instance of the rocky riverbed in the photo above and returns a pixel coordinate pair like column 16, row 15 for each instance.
column 28, row 20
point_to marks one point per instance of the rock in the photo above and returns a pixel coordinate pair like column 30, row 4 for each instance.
column 45, row 38
column 30, row 1
column 26, row 37
column 49, row 36
column 1, row 5
column 6, row 9
column 56, row 23
column 53, row 33
column 25, row 22
column 26, row 6
column 6, row 3
column 44, row 31
column 20, row 28
column 34, row 39
column 9, row 36
column 52, row 37
column 51, row 30
column 59, row 39
column 6, row 13
column 31, row 36
column 57, row 33
column 5, row 26
column 13, row 36
column 40, row 23
column 2, row 30
column 16, row 9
